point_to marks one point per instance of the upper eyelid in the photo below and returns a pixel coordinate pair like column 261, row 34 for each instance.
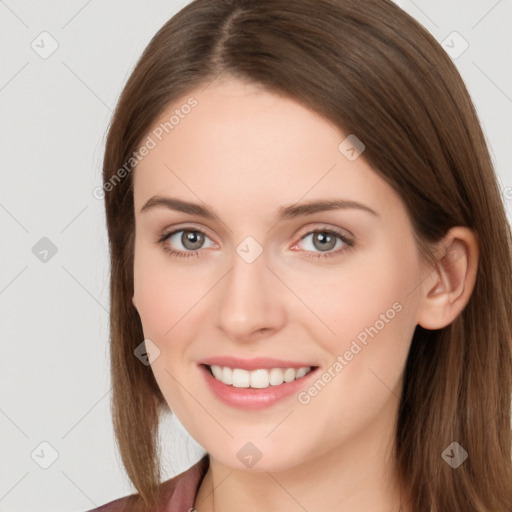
column 325, row 227
column 172, row 231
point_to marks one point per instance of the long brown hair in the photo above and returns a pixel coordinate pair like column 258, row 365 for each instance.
column 373, row 71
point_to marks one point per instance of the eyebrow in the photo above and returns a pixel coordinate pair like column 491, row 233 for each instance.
column 284, row 212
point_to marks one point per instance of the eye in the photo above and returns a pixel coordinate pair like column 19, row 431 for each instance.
column 191, row 240
column 322, row 242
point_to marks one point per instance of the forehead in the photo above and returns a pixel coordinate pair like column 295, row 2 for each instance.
column 240, row 138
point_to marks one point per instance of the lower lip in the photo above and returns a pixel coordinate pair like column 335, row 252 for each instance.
column 252, row 398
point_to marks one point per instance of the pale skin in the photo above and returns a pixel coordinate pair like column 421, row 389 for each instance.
column 245, row 152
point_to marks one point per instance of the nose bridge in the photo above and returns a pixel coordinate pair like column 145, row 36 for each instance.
column 248, row 301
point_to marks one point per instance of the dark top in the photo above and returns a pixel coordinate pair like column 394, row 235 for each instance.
column 177, row 494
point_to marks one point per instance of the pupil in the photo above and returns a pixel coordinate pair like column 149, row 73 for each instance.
column 324, row 237
column 192, row 238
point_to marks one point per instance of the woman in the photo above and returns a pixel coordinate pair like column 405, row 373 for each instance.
column 311, row 266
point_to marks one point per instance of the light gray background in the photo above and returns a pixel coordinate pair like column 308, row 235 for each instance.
column 55, row 385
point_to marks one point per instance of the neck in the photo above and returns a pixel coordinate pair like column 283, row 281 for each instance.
column 357, row 476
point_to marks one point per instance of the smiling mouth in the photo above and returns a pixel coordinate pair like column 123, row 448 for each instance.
column 257, row 379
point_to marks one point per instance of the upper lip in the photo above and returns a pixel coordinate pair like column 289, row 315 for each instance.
column 252, row 364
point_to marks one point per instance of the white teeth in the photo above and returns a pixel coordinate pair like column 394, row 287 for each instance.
column 260, row 379
column 227, row 375
column 276, row 376
column 217, row 372
column 301, row 372
column 289, row 374
column 241, row 378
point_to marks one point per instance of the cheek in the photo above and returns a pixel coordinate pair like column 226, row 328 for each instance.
column 351, row 297
column 165, row 292
column 168, row 300
column 367, row 312
column 372, row 313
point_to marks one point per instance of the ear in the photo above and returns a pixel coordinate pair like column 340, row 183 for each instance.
column 447, row 288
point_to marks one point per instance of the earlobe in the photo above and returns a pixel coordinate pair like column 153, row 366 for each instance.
column 447, row 288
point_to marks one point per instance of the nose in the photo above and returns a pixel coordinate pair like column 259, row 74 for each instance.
column 250, row 301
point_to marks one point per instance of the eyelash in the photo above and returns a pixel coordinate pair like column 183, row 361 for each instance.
column 349, row 244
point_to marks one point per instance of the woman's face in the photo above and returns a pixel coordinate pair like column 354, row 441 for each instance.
column 254, row 280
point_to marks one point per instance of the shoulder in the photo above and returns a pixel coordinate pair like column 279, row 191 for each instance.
column 177, row 493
